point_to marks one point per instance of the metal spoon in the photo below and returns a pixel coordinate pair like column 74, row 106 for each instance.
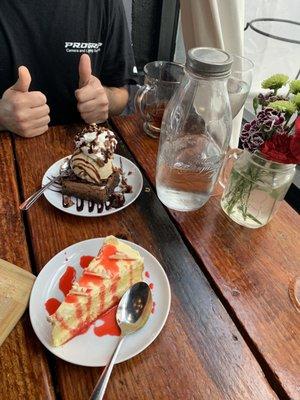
column 132, row 314
column 63, row 171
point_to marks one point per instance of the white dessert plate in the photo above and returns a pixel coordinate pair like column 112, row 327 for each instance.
column 88, row 349
column 132, row 174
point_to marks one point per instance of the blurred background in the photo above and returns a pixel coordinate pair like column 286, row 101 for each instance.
column 156, row 31
column 165, row 29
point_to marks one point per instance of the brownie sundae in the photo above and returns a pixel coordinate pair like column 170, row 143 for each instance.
column 93, row 176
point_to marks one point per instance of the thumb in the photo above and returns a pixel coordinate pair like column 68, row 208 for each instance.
column 24, row 80
column 85, row 70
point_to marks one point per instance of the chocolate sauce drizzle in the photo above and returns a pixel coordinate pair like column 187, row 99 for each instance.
column 116, row 200
column 79, row 204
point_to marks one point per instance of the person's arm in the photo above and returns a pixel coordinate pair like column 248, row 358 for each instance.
column 117, row 99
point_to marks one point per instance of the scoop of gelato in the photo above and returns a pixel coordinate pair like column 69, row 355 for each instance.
column 88, row 169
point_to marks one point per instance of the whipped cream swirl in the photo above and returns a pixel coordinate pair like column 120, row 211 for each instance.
column 92, row 160
column 96, row 142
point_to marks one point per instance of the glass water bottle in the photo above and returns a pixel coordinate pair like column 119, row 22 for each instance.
column 195, row 131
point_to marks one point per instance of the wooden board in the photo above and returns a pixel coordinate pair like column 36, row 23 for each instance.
column 15, row 288
column 250, row 269
column 24, row 372
column 200, row 354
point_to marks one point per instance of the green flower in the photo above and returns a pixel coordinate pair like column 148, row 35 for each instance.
column 285, row 106
column 275, row 82
column 295, row 86
column 296, row 100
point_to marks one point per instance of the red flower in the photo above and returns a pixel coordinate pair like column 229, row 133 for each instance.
column 283, row 148
column 277, row 149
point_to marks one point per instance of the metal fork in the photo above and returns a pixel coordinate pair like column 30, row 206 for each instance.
column 63, row 171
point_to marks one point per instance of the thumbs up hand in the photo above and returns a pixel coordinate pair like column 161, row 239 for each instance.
column 23, row 112
column 92, row 101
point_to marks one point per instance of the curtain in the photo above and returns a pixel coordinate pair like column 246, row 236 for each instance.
column 215, row 23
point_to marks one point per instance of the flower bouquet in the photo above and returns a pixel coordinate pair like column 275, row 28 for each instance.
column 263, row 172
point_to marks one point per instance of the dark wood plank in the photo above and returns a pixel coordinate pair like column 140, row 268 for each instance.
column 200, row 354
column 251, row 268
column 24, row 373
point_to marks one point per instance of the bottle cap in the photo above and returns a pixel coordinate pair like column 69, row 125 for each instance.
column 208, row 61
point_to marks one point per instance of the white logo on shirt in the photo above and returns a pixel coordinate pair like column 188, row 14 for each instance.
column 82, row 47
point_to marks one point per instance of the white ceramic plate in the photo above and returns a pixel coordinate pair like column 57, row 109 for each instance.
column 88, row 349
column 135, row 179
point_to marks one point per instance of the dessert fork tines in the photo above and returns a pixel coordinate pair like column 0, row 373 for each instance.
column 63, row 171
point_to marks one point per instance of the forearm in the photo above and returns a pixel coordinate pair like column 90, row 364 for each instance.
column 117, row 98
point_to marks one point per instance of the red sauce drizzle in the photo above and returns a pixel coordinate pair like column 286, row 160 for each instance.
column 147, row 275
column 110, row 326
column 87, row 278
column 52, row 305
column 109, row 264
column 79, row 311
column 85, row 261
column 71, row 298
column 114, row 286
column 102, row 300
column 83, row 330
column 66, row 280
column 62, row 322
column 151, row 286
column 88, row 304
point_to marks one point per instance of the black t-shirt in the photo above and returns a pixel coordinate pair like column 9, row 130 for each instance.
column 48, row 37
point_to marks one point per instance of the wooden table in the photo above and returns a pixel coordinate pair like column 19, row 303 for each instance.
column 232, row 332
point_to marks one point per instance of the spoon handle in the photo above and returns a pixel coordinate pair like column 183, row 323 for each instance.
column 100, row 387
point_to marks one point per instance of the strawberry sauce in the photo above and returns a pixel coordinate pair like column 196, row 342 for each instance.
column 85, row 261
column 109, row 326
column 109, row 264
column 52, row 305
column 66, row 281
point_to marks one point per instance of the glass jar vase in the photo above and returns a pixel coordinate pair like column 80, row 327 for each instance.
column 255, row 188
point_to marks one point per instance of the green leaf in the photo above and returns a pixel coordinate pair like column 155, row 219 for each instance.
column 255, row 104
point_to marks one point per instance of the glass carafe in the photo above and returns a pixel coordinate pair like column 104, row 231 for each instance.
column 195, row 132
